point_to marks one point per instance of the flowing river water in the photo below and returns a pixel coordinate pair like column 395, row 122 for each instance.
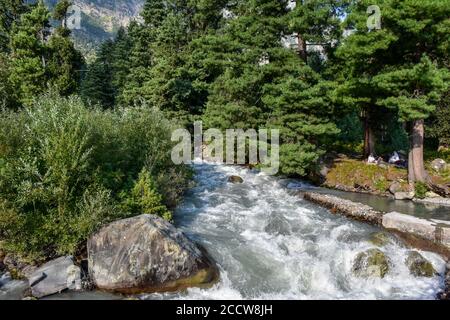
column 271, row 244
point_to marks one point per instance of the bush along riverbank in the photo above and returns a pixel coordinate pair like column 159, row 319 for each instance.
column 66, row 169
column 337, row 171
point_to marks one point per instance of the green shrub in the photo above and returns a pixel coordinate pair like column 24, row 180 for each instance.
column 421, row 190
column 144, row 198
column 65, row 169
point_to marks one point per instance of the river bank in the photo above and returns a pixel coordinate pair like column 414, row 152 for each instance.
column 339, row 172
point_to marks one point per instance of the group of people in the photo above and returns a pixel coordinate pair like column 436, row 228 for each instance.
column 394, row 159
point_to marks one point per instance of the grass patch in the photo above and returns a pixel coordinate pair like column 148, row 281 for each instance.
column 353, row 173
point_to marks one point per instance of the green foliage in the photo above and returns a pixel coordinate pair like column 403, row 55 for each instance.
column 440, row 122
column 41, row 59
column 421, row 189
column 65, row 170
column 28, row 50
column 144, row 198
column 10, row 11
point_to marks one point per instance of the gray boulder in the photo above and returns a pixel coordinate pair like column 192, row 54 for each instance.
column 371, row 263
column 14, row 289
column 419, row 266
column 147, row 254
column 395, row 187
column 404, row 195
column 438, row 165
column 55, row 276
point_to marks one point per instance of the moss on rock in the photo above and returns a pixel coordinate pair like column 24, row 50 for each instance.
column 371, row 263
column 419, row 266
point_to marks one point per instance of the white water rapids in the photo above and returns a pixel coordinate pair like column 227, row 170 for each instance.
column 271, row 244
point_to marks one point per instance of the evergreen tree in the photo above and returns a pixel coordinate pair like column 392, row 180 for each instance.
column 65, row 62
column 10, row 11
column 264, row 84
column 29, row 53
column 439, row 127
column 97, row 85
column 412, row 79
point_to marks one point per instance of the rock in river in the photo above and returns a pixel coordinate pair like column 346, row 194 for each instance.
column 147, row 254
column 419, row 266
column 371, row 263
column 235, row 179
column 404, row 195
column 55, row 276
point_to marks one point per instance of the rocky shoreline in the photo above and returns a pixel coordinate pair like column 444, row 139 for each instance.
column 143, row 254
column 348, row 208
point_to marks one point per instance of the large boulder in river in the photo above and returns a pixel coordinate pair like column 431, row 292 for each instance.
column 55, row 276
column 371, row 263
column 147, row 254
column 419, row 266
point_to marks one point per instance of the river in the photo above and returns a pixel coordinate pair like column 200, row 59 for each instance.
column 271, row 244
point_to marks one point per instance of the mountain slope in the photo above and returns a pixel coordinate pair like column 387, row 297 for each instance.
column 100, row 20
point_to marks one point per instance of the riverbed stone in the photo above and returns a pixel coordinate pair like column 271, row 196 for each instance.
column 235, row 179
column 147, row 254
column 419, row 266
column 404, row 195
column 11, row 289
column 278, row 225
column 55, row 276
column 371, row 263
column 14, row 290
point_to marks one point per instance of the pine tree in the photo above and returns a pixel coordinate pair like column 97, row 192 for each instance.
column 29, row 53
column 10, row 11
column 439, row 126
column 264, row 84
column 97, row 85
column 65, row 62
column 399, row 67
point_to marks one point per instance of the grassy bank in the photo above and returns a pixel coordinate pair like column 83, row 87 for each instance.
column 356, row 175
column 67, row 168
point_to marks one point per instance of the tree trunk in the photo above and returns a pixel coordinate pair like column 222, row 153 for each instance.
column 369, row 138
column 416, row 167
column 302, row 48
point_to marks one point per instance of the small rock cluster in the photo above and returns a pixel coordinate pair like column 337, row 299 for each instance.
column 375, row 263
column 135, row 255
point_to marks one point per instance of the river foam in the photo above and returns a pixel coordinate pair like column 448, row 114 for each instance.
column 271, row 244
